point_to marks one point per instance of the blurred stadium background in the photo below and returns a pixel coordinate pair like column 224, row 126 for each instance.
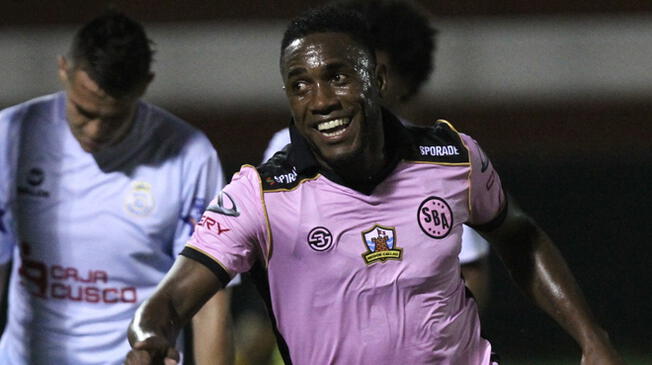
column 559, row 93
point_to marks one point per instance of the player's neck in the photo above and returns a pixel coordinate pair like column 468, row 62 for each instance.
column 365, row 166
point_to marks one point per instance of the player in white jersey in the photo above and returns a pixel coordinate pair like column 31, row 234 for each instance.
column 356, row 227
column 405, row 45
column 99, row 193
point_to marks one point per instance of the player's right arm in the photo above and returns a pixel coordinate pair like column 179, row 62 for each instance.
column 158, row 321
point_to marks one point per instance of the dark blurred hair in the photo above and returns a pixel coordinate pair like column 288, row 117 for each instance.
column 403, row 30
column 115, row 52
column 330, row 18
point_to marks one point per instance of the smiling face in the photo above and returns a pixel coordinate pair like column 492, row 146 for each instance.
column 333, row 91
column 97, row 119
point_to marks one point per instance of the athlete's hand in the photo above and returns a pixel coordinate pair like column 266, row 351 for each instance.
column 152, row 351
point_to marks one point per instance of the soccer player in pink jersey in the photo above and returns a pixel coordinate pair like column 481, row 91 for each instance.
column 405, row 42
column 353, row 231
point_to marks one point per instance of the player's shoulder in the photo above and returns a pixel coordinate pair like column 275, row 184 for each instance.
column 438, row 143
column 175, row 132
column 160, row 118
column 34, row 108
column 279, row 173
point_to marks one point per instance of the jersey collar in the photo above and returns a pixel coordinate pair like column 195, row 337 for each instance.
column 397, row 142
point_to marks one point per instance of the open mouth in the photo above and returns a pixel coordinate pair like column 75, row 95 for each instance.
column 334, row 127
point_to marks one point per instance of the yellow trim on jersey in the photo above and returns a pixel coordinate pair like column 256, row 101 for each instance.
column 269, row 226
column 231, row 273
column 294, row 188
column 449, row 124
column 468, row 179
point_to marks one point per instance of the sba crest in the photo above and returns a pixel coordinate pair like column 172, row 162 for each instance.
column 381, row 244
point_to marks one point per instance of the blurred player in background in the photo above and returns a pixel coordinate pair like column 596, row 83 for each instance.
column 99, row 193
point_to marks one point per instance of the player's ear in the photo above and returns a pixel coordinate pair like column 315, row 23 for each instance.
column 381, row 78
column 62, row 68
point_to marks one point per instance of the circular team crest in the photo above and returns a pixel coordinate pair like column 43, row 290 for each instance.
column 140, row 200
column 320, row 239
column 435, row 217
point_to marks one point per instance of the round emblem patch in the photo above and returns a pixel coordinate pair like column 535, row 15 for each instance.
column 320, row 239
column 435, row 217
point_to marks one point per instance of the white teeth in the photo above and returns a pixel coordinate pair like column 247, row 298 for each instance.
column 336, row 133
column 332, row 124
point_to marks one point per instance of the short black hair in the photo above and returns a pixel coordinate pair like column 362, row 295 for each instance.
column 115, row 52
column 327, row 19
column 403, row 30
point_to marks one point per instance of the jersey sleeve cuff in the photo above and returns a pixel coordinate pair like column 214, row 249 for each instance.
column 209, row 262
column 492, row 224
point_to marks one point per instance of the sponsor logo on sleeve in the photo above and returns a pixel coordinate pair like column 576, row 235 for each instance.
column 211, row 224
column 34, row 179
column 220, row 207
column 320, row 239
column 139, row 200
column 381, row 245
column 435, row 217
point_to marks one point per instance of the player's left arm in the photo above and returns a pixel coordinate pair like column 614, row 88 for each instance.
column 534, row 262
column 538, row 268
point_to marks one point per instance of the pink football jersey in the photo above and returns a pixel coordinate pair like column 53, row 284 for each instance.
column 364, row 275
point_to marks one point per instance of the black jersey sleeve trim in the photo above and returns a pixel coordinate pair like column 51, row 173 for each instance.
column 492, row 224
column 213, row 266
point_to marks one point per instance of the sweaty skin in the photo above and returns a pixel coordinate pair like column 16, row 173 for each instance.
column 325, row 83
